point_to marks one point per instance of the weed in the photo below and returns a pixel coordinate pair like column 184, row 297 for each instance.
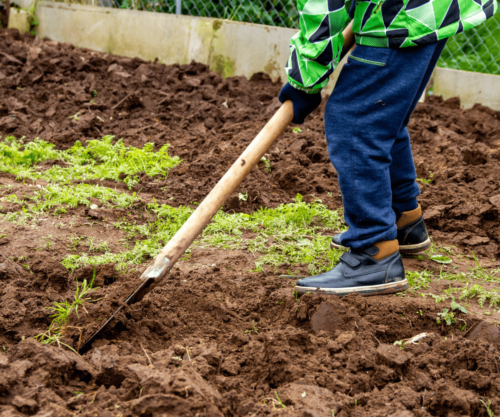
column 435, row 249
column 440, row 259
column 267, row 163
column 291, row 233
column 488, row 407
column 75, row 117
column 456, row 306
column 47, row 240
column 419, row 280
column 426, row 181
column 243, row 197
column 493, row 296
column 100, row 159
column 484, row 274
column 295, row 233
column 399, row 343
column 437, row 298
column 62, row 312
column 449, row 316
column 297, row 130
column 446, row 316
column 278, row 398
column 59, row 197
column 253, row 329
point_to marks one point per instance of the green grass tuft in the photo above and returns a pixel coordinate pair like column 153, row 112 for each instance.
column 100, row 159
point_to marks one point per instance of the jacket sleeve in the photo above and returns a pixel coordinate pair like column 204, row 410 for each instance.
column 315, row 49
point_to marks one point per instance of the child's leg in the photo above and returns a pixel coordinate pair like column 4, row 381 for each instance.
column 402, row 170
column 403, row 175
column 371, row 104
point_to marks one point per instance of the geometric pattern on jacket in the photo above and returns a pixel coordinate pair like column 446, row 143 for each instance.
column 315, row 49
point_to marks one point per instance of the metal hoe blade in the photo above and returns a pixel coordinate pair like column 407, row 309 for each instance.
column 137, row 295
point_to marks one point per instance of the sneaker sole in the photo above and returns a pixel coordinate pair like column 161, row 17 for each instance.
column 382, row 289
column 403, row 249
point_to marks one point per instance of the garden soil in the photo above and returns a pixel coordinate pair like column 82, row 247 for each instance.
column 214, row 338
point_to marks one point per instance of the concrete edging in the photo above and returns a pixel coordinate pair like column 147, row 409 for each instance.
column 471, row 87
column 19, row 19
column 227, row 47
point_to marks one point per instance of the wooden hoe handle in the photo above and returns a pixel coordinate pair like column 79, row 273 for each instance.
column 176, row 247
column 349, row 41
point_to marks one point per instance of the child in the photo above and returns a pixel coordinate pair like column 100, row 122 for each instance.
column 398, row 43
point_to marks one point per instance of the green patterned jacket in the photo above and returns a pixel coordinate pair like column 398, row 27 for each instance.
column 315, row 49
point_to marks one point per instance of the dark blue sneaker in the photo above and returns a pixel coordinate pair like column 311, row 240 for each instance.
column 359, row 272
column 412, row 234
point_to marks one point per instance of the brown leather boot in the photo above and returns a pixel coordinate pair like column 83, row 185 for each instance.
column 409, row 217
column 412, row 233
column 386, row 248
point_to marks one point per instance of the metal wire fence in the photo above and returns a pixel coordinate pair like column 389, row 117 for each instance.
column 476, row 50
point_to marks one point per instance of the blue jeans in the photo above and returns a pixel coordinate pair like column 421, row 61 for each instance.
column 366, row 122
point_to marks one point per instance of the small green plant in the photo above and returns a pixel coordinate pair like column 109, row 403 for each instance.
column 297, row 130
column 94, row 93
column 279, row 401
column 426, row 181
column 62, row 312
column 484, row 274
column 399, row 343
column 493, row 296
column 47, row 240
column 419, row 280
column 75, row 117
column 267, row 163
column 487, row 405
column 447, row 316
column 253, row 329
column 243, row 197
column 440, row 259
column 456, row 306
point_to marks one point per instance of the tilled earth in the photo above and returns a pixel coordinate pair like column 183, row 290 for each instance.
column 215, row 339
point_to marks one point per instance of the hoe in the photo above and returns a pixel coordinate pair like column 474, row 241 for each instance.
column 176, row 247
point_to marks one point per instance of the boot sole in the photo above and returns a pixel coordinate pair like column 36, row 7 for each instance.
column 403, row 249
column 382, row 289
